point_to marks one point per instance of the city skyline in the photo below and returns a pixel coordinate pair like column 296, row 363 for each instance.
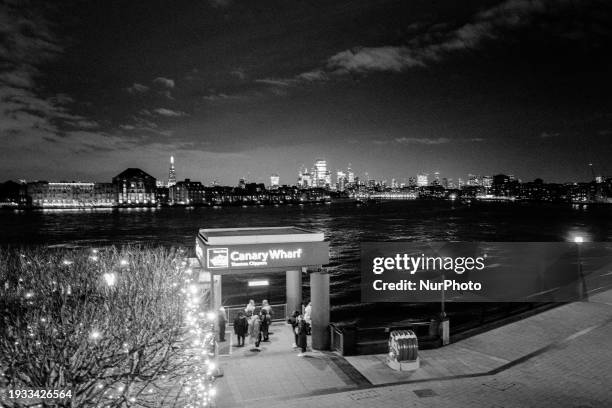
column 421, row 178
column 231, row 87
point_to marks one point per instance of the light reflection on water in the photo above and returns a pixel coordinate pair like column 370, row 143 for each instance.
column 344, row 225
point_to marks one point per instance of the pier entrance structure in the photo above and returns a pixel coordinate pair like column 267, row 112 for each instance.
column 289, row 250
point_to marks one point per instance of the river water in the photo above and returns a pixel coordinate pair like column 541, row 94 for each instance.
column 344, row 225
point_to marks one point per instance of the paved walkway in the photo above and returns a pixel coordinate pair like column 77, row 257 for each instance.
column 277, row 373
column 559, row 358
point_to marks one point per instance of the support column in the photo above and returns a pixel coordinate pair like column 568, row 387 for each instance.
column 319, row 296
column 216, row 296
column 294, row 291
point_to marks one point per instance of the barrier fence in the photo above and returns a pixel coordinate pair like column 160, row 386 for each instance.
column 279, row 312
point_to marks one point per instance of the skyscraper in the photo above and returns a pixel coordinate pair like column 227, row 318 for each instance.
column 171, row 173
column 340, row 180
column 274, row 180
column 320, row 172
column 350, row 175
column 304, row 178
column 422, row 180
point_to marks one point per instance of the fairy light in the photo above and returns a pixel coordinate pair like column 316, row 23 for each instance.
column 201, row 339
column 110, row 278
column 95, row 335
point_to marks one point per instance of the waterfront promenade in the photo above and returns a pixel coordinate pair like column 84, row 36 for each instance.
column 558, row 358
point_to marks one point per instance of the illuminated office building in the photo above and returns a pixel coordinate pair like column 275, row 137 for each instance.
column 135, row 188
column 350, row 175
column 305, row 178
column 171, row 173
column 341, row 180
column 322, row 177
column 422, row 180
column 274, row 181
column 187, row 193
column 45, row 194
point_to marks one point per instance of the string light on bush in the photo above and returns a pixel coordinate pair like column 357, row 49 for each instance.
column 201, row 329
column 110, row 278
column 95, row 335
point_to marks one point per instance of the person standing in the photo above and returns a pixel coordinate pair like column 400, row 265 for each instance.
column 250, row 308
column 266, row 306
column 240, row 328
column 301, row 330
column 307, row 318
column 221, row 322
column 265, row 324
column 293, row 322
column 255, row 332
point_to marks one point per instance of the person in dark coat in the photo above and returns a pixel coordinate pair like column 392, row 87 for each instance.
column 293, row 322
column 265, row 324
column 301, row 330
column 221, row 322
column 241, row 327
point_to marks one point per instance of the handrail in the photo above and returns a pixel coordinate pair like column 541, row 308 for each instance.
column 279, row 312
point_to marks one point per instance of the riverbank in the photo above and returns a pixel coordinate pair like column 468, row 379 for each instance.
column 558, row 358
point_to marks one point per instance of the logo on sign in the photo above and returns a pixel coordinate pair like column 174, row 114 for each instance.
column 217, row 258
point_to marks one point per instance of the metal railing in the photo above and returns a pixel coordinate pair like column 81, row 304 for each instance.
column 348, row 340
column 279, row 312
column 337, row 340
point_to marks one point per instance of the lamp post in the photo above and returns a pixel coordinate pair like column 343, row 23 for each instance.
column 444, row 328
column 582, row 292
column 443, row 299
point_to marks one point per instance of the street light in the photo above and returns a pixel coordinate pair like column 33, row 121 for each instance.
column 582, row 293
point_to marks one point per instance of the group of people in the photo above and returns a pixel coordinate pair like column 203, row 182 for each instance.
column 256, row 325
column 252, row 324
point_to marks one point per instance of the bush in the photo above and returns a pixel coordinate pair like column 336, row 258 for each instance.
column 105, row 325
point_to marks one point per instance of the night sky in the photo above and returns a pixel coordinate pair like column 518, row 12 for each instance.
column 237, row 88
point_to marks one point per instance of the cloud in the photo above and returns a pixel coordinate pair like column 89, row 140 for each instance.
column 165, row 82
column 548, row 135
column 422, row 140
column 27, row 42
column 169, row 113
column 373, row 59
column 146, row 125
column 238, row 73
column 316, row 75
column 25, row 115
column 217, row 97
column 18, row 78
column 137, row 88
column 220, row 3
column 84, row 124
column 275, row 82
column 438, row 42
